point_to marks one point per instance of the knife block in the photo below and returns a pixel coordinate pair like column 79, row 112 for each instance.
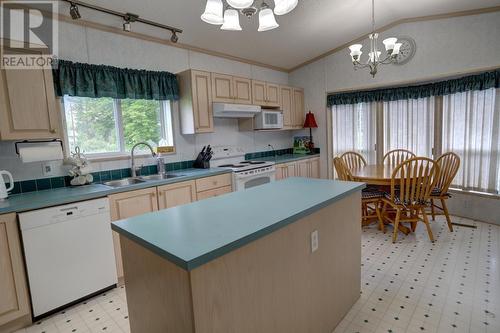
column 201, row 164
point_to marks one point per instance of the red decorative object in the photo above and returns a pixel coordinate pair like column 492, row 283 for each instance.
column 310, row 123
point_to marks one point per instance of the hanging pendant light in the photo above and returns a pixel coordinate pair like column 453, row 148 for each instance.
column 240, row 4
column 266, row 19
column 231, row 20
column 282, row 7
column 213, row 12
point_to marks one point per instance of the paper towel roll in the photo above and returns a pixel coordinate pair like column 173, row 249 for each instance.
column 40, row 153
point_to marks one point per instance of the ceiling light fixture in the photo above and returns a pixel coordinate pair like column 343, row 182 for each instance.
column 374, row 60
column 213, row 12
column 74, row 11
column 229, row 18
column 127, row 17
column 282, row 7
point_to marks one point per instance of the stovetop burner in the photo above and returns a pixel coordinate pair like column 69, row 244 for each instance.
column 231, row 166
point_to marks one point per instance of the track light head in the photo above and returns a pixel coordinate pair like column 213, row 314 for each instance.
column 174, row 38
column 129, row 17
column 74, row 12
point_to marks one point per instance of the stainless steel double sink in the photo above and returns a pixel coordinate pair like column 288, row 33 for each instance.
column 139, row 180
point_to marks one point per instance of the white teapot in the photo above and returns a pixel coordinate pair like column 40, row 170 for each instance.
column 3, row 188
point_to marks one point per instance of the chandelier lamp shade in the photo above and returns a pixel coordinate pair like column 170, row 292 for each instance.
column 375, row 58
column 226, row 12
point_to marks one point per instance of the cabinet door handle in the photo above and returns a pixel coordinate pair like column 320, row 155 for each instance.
column 53, row 130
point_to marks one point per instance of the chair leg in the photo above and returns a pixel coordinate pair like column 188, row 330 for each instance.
column 379, row 216
column 396, row 225
column 427, row 225
column 448, row 219
column 432, row 210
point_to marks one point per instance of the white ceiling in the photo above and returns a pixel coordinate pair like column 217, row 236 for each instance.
column 313, row 28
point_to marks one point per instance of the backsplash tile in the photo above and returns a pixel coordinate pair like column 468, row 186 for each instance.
column 107, row 175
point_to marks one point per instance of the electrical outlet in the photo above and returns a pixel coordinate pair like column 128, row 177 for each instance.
column 314, row 241
column 49, row 168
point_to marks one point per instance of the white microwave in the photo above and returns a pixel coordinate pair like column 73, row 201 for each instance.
column 269, row 119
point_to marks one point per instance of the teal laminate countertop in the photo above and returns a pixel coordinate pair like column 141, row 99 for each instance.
column 278, row 159
column 194, row 234
column 47, row 198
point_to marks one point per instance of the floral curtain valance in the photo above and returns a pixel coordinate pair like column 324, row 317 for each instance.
column 473, row 82
column 87, row 80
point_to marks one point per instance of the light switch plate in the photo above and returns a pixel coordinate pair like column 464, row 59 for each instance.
column 314, row 241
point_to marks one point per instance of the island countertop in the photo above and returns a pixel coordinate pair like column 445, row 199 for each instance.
column 194, row 234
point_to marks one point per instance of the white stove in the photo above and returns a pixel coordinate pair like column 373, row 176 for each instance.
column 246, row 174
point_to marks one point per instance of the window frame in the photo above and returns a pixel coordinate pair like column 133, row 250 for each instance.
column 166, row 128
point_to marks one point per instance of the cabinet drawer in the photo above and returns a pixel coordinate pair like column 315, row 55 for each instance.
column 209, row 183
column 214, row 193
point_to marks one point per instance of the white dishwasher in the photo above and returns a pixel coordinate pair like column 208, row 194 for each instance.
column 69, row 253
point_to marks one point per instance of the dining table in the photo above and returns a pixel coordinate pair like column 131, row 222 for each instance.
column 377, row 175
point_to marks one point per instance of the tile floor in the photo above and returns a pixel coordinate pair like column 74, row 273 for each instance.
column 412, row 286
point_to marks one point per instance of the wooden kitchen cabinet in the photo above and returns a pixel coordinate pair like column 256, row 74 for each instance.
column 308, row 168
column 222, row 88
column 285, row 170
column 129, row 204
column 214, row 192
column 303, row 168
column 287, row 106
column 231, row 89
column 196, row 102
column 28, row 108
column 298, row 108
column 176, row 194
column 265, row 94
column 315, row 168
column 14, row 300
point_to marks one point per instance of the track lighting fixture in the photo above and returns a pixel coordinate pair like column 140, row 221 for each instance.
column 174, row 38
column 128, row 18
column 74, row 12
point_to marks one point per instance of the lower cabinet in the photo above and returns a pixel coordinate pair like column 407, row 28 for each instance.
column 133, row 203
column 129, row 204
column 14, row 300
column 308, row 168
column 176, row 194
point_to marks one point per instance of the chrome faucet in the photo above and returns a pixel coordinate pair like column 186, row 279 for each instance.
column 133, row 169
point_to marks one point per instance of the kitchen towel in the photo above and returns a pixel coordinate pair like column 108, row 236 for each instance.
column 40, row 153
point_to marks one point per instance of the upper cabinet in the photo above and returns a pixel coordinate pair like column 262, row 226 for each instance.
column 196, row 102
column 265, row 94
column 28, row 108
column 199, row 89
column 298, row 107
column 231, row 89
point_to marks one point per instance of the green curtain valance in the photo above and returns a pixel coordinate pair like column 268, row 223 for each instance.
column 473, row 82
column 87, row 80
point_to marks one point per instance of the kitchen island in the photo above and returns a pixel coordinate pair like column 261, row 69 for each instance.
column 246, row 261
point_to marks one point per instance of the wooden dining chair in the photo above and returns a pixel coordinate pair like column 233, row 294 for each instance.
column 412, row 182
column 369, row 196
column 449, row 163
column 353, row 160
column 397, row 156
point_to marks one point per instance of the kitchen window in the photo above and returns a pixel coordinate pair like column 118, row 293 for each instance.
column 110, row 127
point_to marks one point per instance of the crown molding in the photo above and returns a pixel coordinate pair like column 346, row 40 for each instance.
column 395, row 23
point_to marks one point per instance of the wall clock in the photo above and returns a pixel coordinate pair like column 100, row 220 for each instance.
column 407, row 50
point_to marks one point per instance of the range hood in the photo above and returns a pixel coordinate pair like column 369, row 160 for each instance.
column 227, row 110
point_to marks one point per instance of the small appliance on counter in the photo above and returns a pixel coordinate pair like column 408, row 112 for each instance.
column 4, row 191
column 269, row 119
column 203, row 159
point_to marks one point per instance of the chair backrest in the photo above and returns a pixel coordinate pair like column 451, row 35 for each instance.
column 343, row 173
column 353, row 160
column 448, row 164
column 397, row 156
column 412, row 181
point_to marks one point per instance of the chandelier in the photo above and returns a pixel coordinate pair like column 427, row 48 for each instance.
column 374, row 60
column 227, row 13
